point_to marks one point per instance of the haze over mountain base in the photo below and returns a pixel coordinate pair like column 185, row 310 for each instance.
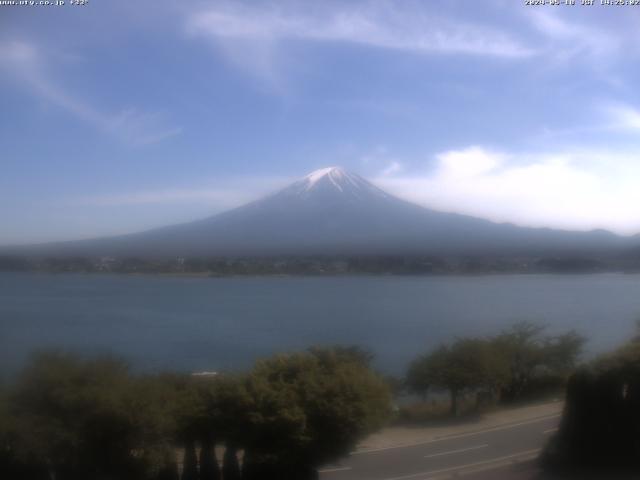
column 334, row 212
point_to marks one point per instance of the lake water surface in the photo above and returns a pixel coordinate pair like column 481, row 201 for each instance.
column 226, row 323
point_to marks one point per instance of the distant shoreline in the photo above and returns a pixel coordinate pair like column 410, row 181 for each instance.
column 330, row 265
column 205, row 275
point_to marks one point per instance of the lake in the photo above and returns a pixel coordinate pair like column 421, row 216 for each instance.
column 195, row 324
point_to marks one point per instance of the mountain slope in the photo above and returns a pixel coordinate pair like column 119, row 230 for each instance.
column 332, row 211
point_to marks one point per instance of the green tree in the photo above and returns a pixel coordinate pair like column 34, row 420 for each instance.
column 190, row 462
column 310, row 408
column 90, row 418
column 168, row 467
column 209, row 467
column 530, row 354
column 192, row 415
column 230, row 465
column 600, row 425
column 561, row 352
column 78, row 418
column 224, row 418
column 636, row 337
column 466, row 365
column 419, row 376
column 73, row 418
column 351, row 353
column 521, row 346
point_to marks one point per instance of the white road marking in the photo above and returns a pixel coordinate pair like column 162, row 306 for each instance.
column 460, row 450
column 336, row 469
column 551, row 430
column 426, row 475
column 460, row 435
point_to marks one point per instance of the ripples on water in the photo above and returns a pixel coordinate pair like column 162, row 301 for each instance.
column 226, row 323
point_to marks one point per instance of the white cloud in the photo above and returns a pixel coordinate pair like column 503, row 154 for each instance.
column 252, row 36
column 565, row 190
column 579, row 40
column 612, row 118
column 18, row 53
column 26, row 65
column 379, row 159
column 375, row 25
column 393, row 168
column 471, row 162
column 623, row 116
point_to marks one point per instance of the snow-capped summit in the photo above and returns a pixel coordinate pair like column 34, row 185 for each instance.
column 338, row 177
column 334, row 181
column 333, row 173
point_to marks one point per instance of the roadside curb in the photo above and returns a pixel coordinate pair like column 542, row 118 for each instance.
column 462, row 432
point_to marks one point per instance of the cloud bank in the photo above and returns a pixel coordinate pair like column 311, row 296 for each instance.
column 576, row 190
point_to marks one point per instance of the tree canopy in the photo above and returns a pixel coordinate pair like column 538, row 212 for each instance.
column 466, row 364
column 312, row 406
column 600, row 425
column 507, row 364
column 75, row 418
column 528, row 353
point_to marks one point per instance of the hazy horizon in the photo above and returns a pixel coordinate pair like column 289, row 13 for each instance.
column 164, row 114
column 280, row 187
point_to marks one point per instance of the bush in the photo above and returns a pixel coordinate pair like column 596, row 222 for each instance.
column 71, row 418
column 600, row 426
column 519, row 363
column 310, row 408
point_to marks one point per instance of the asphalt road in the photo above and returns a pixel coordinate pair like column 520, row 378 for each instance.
column 503, row 452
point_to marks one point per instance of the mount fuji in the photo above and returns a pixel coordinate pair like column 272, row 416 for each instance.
column 332, row 211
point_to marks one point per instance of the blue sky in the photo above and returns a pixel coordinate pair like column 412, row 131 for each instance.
column 120, row 116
